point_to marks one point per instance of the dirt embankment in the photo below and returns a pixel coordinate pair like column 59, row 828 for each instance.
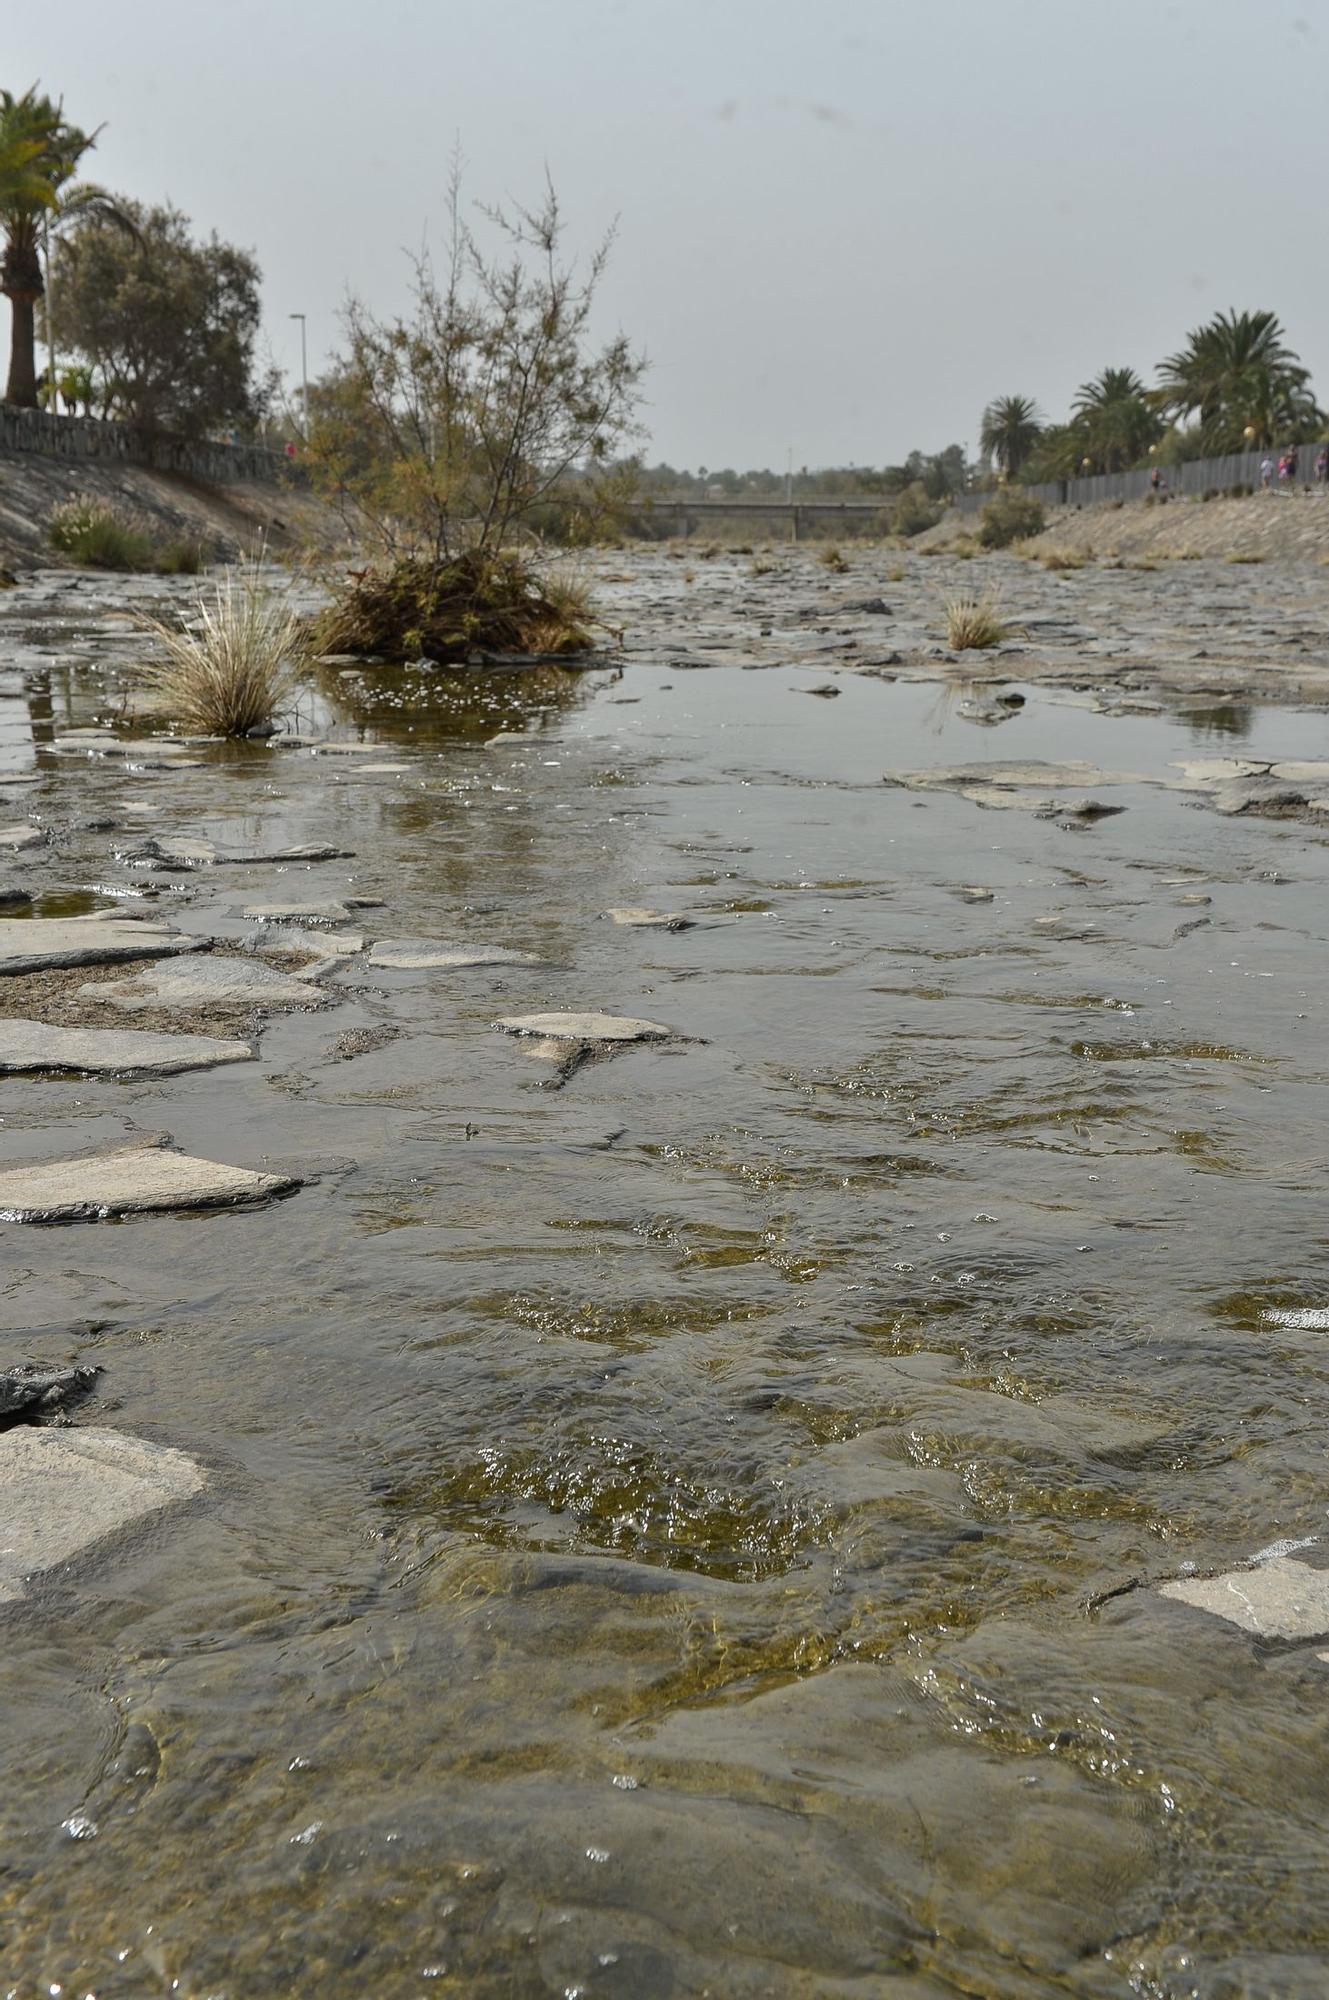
column 227, row 520
column 1270, row 526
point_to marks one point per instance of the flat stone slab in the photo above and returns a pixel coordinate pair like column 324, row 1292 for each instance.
column 32, row 1045
column 135, row 1180
column 1281, row 1599
column 206, row 981
column 323, row 911
column 62, row 1491
column 429, row 954
column 1020, row 787
column 19, row 839
column 185, row 851
column 639, row 919
column 585, row 1028
column 297, row 943
column 27, row 1390
column 39, row 944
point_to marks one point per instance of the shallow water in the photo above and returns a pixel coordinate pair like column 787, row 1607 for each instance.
column 668, row 1535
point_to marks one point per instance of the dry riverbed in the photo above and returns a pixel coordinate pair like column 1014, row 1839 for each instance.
column 662, row 1328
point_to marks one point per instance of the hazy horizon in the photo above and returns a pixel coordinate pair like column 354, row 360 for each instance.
column 837, row 240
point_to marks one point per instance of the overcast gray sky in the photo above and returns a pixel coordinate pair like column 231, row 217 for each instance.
column 843, row 227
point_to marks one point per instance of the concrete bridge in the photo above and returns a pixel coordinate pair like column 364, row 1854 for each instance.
column 685, row 517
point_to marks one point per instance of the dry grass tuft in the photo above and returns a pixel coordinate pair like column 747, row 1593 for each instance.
column 973, row 623
column 1243, row 556
column 1056, row 560
column 234, row 665
column 895, row 575
column 832, row 559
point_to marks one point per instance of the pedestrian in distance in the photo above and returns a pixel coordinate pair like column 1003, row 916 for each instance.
column 1266, row 472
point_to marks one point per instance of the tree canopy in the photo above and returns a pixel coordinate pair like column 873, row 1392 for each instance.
column 40, row 152
column 445, row 427
column 1237, row 373
column 167, row 323
column 1011, row 427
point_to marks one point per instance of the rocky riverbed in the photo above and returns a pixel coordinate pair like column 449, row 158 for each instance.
column 659, row 1336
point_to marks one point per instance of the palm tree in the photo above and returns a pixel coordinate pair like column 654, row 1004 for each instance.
column 1012, row 426
column 1238, row 373
column 1114, row 419
column 38, row 193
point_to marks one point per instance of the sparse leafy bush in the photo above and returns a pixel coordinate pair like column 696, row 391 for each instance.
column 1010, row 517
column 232, row 667
column 913, row 513
column 99, row 535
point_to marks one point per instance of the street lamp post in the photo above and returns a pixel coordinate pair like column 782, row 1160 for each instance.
column 304, row 373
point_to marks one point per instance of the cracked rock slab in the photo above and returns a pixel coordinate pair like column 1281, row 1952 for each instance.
column 138, row 1180
column 185, row 851
column 207, row 981
column 27, row 1046
column 591, row 1028
column 1281, row 1599
column 63, row 1491
column 321, row 911
column 428, row 954
column 40, row 944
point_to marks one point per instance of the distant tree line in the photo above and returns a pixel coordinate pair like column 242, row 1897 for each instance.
column 935, row 474
column 1235, row 385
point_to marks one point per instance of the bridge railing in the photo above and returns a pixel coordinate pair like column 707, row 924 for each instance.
column 93, row 438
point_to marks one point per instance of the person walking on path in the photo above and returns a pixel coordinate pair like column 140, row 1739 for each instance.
column 1266, row 472
column 1322, row 466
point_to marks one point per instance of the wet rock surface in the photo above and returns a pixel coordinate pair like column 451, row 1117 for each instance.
column 27, row 1046
column 208, row 982
column 1281, row 1599
column 62, row 1492
column 428, row 954
column 28, row 1391
column 134, row 1180
column 41, row 943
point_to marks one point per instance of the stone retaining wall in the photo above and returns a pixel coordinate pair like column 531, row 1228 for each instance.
column 73, row 438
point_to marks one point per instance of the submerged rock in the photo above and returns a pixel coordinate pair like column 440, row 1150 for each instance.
column 1279, row 1599
column 40, row 944
column 651, row 920
column 19, row 839
column 132, row 1180
column 206, row 981
column 62, row 1491
column 27, row 1046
